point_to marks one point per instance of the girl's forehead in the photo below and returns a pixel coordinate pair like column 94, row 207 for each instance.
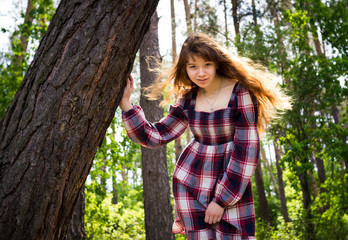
column 196, row 58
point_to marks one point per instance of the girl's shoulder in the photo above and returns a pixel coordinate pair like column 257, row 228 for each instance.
column 184, row 101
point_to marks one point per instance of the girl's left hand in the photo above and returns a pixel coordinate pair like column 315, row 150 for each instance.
column 214, row 213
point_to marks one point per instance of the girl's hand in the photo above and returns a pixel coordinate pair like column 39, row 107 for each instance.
column 125, row 103
column 214, row 213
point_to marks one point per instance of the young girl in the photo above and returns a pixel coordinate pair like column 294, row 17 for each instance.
column 225, row 100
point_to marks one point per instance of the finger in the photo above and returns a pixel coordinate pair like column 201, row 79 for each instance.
column 206, row 219
column 215, row 220
column 130, row 78
column 131, row 81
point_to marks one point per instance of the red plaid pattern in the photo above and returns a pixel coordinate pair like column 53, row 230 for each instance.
column 217, row 164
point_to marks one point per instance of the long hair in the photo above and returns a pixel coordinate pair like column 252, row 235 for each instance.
column 271, row 99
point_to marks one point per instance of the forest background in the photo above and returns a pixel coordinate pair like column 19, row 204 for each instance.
column 300, row 185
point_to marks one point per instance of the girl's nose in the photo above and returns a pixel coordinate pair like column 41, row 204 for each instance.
column 201, row 72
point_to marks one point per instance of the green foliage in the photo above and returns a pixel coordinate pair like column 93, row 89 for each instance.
column 310, row 131
column 207, row 19
column 105, row 220
column 329, row 210
column 115, row 210
column 14, row 64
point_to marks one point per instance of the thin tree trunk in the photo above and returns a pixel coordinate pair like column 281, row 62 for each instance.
column 173, row 24
column 195, row 16
column 235, row 5
column 58, row 118
column 102, row 178
column 235, row 16
column 272, row 7
column 282, row 197
column 114, row 188
column 265, row 159
column 264, row 210
column 24, row 37
column 254, row 12
column 178, row 147
column 158, row 209
column 307, row 202
column 188, row 16
column 226, row 24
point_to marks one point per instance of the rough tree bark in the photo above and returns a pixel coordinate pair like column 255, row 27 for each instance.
column 76, row 230
column 158, row 209
column 65, row 103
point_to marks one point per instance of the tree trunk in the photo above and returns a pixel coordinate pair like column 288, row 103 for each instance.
column 58, row 118
column 263, row 154
column 195, row 16
column 76, row 229
column 253, row 7
column 282, row 197
column 307, row 202
column 177, row 141
column 235, row 5
column 114, row 188
column 272, row 6
column 264, row 210
column 227, row 43
column 158, row 208
column 188, row 16
column 24, row 37
column 172, row 17
column 235, row 16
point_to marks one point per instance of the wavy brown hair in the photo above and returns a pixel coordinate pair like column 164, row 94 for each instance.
column 271, row 99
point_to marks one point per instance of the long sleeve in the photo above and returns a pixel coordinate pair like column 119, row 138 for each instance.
column 153, row 135
column 245, row 152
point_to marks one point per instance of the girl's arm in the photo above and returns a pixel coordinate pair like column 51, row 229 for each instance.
column 148, row 134
column 245, row 152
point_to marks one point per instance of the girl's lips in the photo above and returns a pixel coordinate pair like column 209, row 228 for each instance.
column 202, row 80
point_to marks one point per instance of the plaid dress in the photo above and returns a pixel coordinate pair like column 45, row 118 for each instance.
column 217, row 165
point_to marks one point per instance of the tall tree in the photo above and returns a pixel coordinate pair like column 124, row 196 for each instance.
column 178, row 146
column 235, row 7
column 227, row 43
column 263, row 204
column 157, row 205
column 281, row 47
column 60, row 114
column 188, row 16
column 283, row 206
column 173, row 25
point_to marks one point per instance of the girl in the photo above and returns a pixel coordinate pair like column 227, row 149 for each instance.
column 225, row 100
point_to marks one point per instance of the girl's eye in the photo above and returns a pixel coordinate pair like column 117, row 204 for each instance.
column 192, row 67
column 208, row 64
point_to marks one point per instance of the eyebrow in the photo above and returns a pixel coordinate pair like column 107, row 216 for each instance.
column 194, row 63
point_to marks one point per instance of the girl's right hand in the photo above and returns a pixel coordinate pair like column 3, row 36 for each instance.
column 125, row 103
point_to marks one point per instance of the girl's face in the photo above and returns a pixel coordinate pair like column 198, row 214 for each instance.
column 201, row 72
